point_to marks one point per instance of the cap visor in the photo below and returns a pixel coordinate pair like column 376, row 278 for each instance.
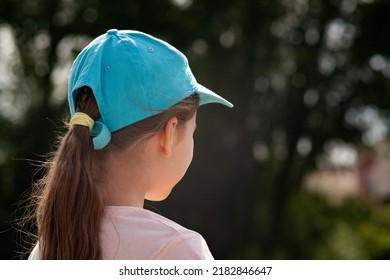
column 207, row 96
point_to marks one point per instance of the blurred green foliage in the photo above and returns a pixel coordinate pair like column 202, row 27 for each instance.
column 352, row 230
column 300, row 73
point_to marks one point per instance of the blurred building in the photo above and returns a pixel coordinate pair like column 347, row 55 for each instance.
column 368, row 178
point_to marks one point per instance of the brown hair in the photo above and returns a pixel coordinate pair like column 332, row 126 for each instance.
column 70, row 202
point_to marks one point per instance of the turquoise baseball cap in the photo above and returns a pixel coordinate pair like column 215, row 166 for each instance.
column 133, row 76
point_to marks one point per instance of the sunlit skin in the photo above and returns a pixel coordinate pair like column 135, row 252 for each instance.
column 152, row 169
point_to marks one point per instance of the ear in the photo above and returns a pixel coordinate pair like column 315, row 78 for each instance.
column 167, row 136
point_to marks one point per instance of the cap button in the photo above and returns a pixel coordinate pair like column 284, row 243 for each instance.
column 112, row 31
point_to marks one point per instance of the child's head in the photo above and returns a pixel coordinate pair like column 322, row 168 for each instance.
column 133, row 101
column 132, row 76
column 129, row 148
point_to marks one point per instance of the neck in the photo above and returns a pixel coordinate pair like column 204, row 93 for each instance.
column 125, row 183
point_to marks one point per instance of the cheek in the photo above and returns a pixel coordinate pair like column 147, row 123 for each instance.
column 173, row 172
column 189, row 152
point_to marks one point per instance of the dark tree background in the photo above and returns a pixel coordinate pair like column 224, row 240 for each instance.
column 301, row 74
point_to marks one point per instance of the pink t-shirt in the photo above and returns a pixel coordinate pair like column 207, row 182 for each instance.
column 133, row 233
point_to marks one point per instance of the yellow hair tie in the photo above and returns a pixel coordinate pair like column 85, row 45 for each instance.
column 82, row 119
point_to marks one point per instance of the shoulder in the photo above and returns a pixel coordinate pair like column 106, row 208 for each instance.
column 129, row 232
column 167, row 223
column 188, row 245
column 184, row 244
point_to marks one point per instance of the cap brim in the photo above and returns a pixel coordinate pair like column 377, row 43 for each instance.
column 207, row 96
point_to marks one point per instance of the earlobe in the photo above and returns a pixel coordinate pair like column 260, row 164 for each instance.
column 167, row 136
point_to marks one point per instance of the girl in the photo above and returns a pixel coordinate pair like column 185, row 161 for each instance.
column 133, row 103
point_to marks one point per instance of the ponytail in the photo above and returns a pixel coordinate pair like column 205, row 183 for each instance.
column 71, row 204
